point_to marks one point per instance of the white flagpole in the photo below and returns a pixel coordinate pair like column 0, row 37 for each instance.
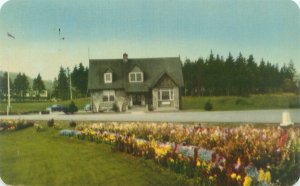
column 70, row 86
column 8, row 92
column 8, row 82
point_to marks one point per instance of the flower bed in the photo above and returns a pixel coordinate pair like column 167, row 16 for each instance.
column 13, row 125
column 242, row 155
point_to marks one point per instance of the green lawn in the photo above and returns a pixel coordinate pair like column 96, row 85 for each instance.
column 28, row 157
column 269, row 101
column 40, row 106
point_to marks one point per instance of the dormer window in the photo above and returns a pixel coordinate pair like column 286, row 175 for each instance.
column 136, row 77
column 108, row 77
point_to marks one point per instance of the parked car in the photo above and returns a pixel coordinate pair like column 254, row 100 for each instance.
column 88, row 107
column 55, row 108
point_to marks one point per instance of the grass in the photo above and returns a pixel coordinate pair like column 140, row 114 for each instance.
column 40, row 106
column 270, row 101
column 28, row 157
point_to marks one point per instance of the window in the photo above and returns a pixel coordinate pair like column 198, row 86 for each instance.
column 136, row 77
column 165, row 94
column 107, row 77
column 108, row 96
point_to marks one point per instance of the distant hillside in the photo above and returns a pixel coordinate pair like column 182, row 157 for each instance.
column 13, row 75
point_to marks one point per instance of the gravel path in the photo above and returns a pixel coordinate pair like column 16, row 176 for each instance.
column 255, row 116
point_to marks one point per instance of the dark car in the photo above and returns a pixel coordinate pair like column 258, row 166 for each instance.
column 56, row 108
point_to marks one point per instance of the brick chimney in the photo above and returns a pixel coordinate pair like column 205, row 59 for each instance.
column 125, row 57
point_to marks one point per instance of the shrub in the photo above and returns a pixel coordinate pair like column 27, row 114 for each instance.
column 294, row 105
column 72, row 108
column 115, row 107
column 72, row 124
column 208, row 106
column 50, row 123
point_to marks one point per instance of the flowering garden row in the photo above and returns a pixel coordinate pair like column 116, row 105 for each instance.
column 242, row 155
column 13, row 125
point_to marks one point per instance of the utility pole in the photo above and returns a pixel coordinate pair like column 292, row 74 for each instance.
column 70, row 84
column 8, row 93
column 8, row 82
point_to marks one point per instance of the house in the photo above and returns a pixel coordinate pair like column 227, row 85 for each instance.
column 153, row 83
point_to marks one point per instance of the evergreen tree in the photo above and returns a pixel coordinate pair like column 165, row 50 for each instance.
column 214, row 76
column 3, row 84
column 229, row 72
column 80, row 79
column 21, row 85
column 61, row 89
column 38, row 85
column 252, row 73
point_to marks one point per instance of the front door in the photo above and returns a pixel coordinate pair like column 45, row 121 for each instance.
column 136, row 99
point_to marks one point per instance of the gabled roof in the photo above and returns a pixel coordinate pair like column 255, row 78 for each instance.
column 153, row 69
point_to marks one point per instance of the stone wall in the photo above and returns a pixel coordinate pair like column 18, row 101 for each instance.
column 172, row 103
column 155, row 98
column 166, row 83
column 176, row 98
column 120, row 100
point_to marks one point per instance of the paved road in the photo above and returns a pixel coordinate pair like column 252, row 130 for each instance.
column 255, row 116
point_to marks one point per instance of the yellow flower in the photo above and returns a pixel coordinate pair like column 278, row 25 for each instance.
column 247, row 181
column 238, row 161
column 261, row 175
column 211, row 177
column 238, row 178
column 268, row 177
column 198, row 163
column 209, row 167
column 180, row 156
column 233, row 175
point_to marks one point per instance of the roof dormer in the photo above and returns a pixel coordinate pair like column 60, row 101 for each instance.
column 136, row 75
column 108, row 78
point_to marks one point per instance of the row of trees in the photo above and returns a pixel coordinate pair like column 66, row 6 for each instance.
column 215, row 76
column 79, row 79
column 20, row 87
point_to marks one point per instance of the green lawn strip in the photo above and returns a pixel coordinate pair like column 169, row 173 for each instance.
column 268, row 101
column 28, row 157
column 40, row 106
column 220, row 103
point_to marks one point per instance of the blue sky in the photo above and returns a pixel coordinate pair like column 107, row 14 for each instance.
column 268, row 29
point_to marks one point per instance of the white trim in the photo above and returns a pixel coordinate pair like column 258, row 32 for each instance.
column 169, row 90
column 108, row 93
column 135, row 77
column 106, row 79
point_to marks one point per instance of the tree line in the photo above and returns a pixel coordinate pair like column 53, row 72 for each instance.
column 79, row 79
column 20, row 87
column 216, row 76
